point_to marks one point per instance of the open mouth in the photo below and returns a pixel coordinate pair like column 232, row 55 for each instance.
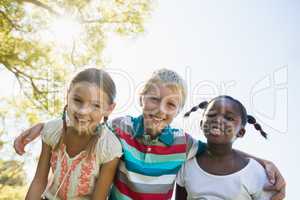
column 156, row 119
column 215, row 132
column 81, row 120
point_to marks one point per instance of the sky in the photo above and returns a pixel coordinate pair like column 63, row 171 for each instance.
column 246, row 49
column 243, row 48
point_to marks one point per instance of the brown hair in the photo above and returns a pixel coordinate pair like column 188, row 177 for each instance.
column 104, row 81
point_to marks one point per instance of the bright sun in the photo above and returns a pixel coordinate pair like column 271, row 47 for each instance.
column 65, row 30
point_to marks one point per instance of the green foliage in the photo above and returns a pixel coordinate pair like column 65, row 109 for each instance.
column 41, row 63
column 12, row 180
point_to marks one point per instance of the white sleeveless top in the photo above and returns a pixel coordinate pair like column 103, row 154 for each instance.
column 245, row 184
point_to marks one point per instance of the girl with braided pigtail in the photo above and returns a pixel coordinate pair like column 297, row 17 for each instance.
column 79, row 148
column 153, row 150
column 222, row 172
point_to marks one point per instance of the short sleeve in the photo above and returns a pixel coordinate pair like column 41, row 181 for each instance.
column 123, row 123
column 194, row 146
column 51, row 132
column 180, row 177
column 108, row 147
column 257, row 181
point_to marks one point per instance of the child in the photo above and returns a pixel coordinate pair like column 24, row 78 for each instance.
column 153, row 151
column 220, row 172
column 82, row 153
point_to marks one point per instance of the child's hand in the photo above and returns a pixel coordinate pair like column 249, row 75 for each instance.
column 26, row 137
column 276, row 179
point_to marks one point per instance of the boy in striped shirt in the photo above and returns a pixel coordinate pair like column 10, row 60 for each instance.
column 153, row 151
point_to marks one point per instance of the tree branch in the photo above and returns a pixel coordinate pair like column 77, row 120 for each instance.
column 40, row 4
column 12, row 24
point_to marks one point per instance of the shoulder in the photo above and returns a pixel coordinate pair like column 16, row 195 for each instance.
column 187, row 172
column 108, row 136
column 122, row 123
column 194, row 146
column 52, row 131
column 256, row 169
column 254, row 177
column 121, row 120
column 108, row 146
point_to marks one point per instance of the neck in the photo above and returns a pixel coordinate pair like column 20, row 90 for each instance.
column 153, row 134
column 219, row 150
column 76, row 134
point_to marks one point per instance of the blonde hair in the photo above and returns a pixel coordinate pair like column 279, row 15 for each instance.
column 170, row 79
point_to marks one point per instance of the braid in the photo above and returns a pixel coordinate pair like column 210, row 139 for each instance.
column 243, row 112
column 64, row 119
column 257, row 126
column 105, row 119
column 64, row 131
column 202, row 105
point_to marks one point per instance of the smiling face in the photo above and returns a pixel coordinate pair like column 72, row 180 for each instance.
column 222, row 121
column 87, row 105
column 161, row 103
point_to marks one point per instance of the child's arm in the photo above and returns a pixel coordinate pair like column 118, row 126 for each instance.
column 181, row 193
column 40, row 179
column 26, row 137
column 105, row 179
column 275, row 178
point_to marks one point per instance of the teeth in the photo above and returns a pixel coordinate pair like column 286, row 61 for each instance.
column 157, row 119
column 216, row 131
column 82, row 120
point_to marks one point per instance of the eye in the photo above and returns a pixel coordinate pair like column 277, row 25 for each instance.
column 211, row 114
column 154, row 98
column 96, row 105
column 77, row 100
column 229, row 118
column 171, row 105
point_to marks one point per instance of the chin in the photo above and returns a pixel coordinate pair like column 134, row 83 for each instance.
column 84, row 131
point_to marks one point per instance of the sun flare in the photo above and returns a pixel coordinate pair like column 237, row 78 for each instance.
column 65, row 30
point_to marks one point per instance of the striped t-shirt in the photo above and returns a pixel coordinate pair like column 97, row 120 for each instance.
column 148, row 168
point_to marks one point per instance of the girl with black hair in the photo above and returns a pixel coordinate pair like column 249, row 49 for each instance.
column 221, row 172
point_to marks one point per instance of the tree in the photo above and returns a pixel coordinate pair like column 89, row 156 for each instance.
column 12, row 180
column 42, row 42
column 30, row 47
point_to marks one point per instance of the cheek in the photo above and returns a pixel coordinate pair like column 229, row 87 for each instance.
column 95, row 115
column 149, row 107
column 232, row 128
column 171, row 117
column 70, row 110
column 72, row 106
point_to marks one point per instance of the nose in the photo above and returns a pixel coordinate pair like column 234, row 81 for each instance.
column 84, row 109
column 219, row 119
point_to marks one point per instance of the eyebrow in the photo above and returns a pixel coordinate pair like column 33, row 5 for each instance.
column 97, row 101
column 227, row 112
column 75, row 95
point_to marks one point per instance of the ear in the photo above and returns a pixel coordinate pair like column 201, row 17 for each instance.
column 241, row 133
column 110, row 108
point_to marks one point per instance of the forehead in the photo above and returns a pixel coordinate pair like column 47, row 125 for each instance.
column 88, row 91
column 164, row 90
column 224, row 105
